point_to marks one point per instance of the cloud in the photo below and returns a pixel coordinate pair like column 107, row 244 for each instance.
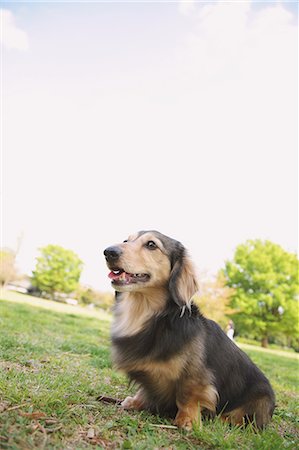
column 233, row 40
column 12, row 37
column 241, row 63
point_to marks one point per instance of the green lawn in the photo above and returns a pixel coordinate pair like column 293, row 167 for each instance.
column 54, row 364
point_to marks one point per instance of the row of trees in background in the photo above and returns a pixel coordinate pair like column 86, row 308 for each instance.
column 258, row 288
column 56, row 276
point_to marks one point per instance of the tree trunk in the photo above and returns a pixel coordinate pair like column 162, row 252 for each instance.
column 265, row 341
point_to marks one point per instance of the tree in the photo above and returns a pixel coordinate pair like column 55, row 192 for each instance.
column 265, row 281
column 8, row 271
column 87, row 296
column 213, row 299
column 57, row 270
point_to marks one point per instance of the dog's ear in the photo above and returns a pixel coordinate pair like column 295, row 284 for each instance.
column 182, row 282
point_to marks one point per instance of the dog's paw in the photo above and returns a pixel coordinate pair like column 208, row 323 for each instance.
column 184, row 422
column 185, row 418
column 128, row 403
column 133, row 403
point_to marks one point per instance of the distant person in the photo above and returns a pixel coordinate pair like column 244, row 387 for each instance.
column 230, row 330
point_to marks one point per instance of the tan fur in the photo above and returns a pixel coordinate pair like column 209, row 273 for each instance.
column 137, row 402
column 235, row 417
column 195, row 395
column 263, row 415
column 136, row 259
column 200, row 397
column 165, row 376
column 163, row 372
column 137, row 306
column 135, row 309
column 187, row 283
column 183, row 379
column 187, row 415
column 257, row 409
column 190, row 395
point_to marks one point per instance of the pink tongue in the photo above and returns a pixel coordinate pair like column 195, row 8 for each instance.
column 113, row 275
column 119, row 276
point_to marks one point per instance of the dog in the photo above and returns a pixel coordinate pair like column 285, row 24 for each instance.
column 183, row 363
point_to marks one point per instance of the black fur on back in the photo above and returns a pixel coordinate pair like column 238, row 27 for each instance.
column 236, row 377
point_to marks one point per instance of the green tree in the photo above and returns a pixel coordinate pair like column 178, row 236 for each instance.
column 57, row 270
column 86, row 296
column 265, row 281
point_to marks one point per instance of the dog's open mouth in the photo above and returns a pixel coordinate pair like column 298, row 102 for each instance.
column 120, row 277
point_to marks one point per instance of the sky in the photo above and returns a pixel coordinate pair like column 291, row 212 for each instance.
column 125, row 116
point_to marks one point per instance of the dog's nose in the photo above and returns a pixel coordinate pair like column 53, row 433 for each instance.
column 112, row 253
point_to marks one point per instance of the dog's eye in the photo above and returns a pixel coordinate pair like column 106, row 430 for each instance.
column 126, row 240
column 151, row 245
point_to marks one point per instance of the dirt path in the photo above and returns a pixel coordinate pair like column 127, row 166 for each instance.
column 269, row 350
column 53, row 306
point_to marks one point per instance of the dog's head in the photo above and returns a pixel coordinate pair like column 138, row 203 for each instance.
column 149, row 259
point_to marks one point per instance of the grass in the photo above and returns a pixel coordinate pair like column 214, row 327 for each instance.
column 53, row 305
column 54, row 365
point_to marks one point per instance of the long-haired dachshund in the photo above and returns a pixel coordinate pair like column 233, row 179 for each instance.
column 180, row 360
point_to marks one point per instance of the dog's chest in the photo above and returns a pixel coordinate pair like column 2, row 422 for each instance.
column 130, row 316
column 149, row 368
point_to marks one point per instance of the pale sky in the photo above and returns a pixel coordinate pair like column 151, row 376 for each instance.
column 179, row 117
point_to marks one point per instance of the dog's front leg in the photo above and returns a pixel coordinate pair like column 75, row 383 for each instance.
column 188, row 413
column 137, row 402
column 190, row 399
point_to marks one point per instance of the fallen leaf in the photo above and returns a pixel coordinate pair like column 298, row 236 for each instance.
column 54, row 429
column 3, row 406
column 50, row 421
column 105, row 399
column 33, row 415
column 11, row 408
column 45, row 360
column 91, row 433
